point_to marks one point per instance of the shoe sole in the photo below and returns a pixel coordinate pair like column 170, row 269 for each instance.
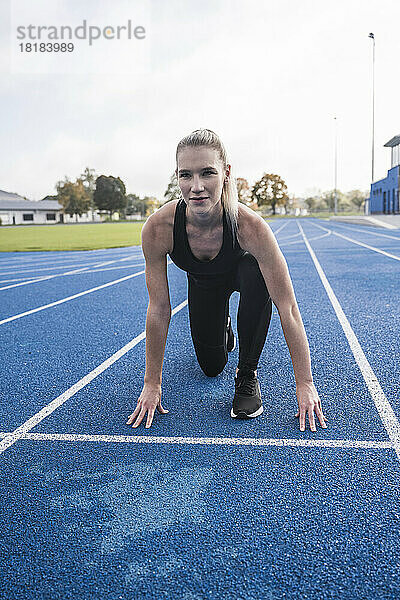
column 243, row 415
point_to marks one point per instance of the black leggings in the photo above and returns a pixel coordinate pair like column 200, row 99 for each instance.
column 208, row 313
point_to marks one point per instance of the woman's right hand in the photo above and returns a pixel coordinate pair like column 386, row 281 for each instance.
column 148, row 401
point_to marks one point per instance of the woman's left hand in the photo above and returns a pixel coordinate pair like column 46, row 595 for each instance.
column 309, row 401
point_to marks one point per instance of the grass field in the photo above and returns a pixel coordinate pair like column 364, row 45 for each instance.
column 83, row 236
column 70, row 237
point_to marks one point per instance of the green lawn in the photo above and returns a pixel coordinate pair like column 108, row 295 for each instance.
column 70, row 237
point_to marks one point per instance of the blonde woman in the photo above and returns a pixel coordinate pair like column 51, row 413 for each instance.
column 223, row 246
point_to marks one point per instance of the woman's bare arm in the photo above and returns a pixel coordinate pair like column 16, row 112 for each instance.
column 260, row 241
column 157, row 323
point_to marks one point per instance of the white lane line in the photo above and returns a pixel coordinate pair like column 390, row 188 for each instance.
column 319, row 237
column 53, row 268
column 382, row 404
column 15, row 435
column 280, row 228
column 351, row 227
column 115, row 268
column 25, row 282
column 74, row 272
column 218, row 441
column 16, row 279
column 80, row 272
column 358, row 243
column 47, row 260
column 68, row 298
column 38, row 279
column 65, row 266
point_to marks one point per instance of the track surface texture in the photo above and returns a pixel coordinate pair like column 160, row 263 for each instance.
column 199, row 506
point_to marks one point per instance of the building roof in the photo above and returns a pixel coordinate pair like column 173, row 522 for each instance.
column 395, row 141
column 10, row 201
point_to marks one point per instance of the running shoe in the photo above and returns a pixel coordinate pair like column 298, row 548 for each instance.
column 230, row 337
column 247, row 400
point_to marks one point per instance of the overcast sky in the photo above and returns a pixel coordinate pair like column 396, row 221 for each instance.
column 267, row 75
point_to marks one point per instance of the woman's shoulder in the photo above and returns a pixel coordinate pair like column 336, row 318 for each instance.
column 247, row 221
column 164, row 214
column 161, row 222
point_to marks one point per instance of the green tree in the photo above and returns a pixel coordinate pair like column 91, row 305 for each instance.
column 270, row 190
column 110, row 194
column 329, row 199
column 314, row 203
column 357, row 198
column 73, row 197
column 173, row 191
column 134, row 205
column 89, row 181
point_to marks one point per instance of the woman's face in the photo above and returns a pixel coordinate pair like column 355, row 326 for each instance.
column 201, row 176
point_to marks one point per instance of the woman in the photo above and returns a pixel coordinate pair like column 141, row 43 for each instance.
column 223, row 246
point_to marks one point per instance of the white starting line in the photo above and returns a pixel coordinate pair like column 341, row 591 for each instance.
column 205, row 441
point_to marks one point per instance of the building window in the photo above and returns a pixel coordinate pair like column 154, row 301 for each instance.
column 50, row 216
column 27, row 217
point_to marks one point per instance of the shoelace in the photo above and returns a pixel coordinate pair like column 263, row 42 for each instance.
column 246, row 383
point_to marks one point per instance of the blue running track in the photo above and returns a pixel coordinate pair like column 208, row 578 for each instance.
column 199, row 506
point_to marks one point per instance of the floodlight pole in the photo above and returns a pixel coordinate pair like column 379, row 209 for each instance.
column 335, row 210
column 372, row 36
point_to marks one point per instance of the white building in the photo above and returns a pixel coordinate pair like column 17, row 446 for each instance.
column 15, row 210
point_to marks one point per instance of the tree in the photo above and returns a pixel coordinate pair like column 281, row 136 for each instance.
column 270, row 190
column 73, row 197
column 89, row 181
column 134, row 205
column 313, row 203
column 173, row 191
column 151, row 204
column 143, row 206
column 110, row 194
column 329, row 199
column 291, row 204
column 357, row 197
column 243, row 189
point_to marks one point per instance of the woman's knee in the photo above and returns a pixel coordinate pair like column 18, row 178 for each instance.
column 212, row 370
column 212, row 359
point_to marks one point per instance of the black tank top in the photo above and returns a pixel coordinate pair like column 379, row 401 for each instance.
column 204, row 270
